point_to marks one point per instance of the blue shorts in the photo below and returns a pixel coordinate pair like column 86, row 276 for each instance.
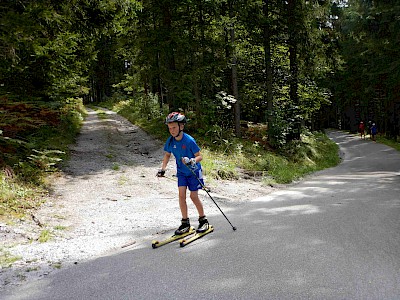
column 191, row 181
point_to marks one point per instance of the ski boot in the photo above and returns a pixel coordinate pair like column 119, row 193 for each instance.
column 184, row 228
column 203, row 225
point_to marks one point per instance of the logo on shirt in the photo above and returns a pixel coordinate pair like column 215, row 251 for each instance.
column 183, row 146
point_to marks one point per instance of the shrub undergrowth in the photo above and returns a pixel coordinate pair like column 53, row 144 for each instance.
column 33, row 147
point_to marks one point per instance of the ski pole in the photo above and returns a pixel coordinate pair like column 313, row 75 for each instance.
column 167, row 177
column 204, row 188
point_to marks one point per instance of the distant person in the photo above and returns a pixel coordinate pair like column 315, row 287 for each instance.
column 374, row 131
column 361, row 129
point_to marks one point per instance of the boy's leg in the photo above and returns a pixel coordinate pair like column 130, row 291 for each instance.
column 185, row 223
column 193, row 184
column 203, row 222
column 194, row 195
column 182, row 202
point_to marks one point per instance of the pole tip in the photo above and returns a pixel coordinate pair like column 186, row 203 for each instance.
column 234, row 228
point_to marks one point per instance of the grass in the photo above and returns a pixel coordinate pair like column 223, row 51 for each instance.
column 57, row 265
column 315, row 152
column 122, row 180
column 27, row 161
column 16, row 196
column 60, row 227
column 99, row 111
column 6, row 259
column 44, row 236
column 391, row 143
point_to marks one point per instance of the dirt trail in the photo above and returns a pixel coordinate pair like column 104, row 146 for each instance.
column 107, row 199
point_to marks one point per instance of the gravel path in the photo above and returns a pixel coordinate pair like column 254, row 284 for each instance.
column 107, row 199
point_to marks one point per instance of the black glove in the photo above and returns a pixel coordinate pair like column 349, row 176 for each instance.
column 160, row 173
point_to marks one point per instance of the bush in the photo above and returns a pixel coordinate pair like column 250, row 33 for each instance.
column 33, row 147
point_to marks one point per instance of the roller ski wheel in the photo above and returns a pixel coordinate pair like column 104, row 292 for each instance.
column 198, row 235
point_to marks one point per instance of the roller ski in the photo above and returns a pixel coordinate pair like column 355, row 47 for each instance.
column 204, row 228
column 198, row 235
column 184, row 230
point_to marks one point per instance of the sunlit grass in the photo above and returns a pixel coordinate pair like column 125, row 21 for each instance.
column 16, row 197
column 6, row 259
column 44, row 236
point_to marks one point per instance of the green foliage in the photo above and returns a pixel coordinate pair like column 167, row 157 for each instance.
column 6, row 259
column 33, row 147
column 297, row 159
column 51, row 49
column 37, row 142
column 142, row 110
column 17, row 196
column 395, row 144
column 44, row 236
column 220, row 138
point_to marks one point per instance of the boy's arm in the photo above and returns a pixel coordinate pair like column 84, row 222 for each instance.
column 198, row 157
column 165, row 161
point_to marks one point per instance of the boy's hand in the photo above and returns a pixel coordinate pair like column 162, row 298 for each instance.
column 160, row 173
column 189, row 161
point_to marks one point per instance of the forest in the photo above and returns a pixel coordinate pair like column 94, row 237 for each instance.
column 289, row 65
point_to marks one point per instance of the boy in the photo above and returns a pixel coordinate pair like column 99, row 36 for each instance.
column 187, row 155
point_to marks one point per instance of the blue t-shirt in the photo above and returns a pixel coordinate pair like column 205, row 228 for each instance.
column 186, row 147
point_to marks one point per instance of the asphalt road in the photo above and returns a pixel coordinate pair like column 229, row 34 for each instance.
column 335, row 235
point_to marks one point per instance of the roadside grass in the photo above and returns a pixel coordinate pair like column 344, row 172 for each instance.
column 314, row 152
column 6, row 259
column 227, row 157
column 388, row 142
column 17, row 197
column 33, row 149
column 60, row 227
column 57, row 265
column 100, row 113
column 45, row 236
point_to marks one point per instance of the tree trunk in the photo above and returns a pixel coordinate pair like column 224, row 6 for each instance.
column 170, row 57
column 235, row 91
column 268, row 69
column 292, row 43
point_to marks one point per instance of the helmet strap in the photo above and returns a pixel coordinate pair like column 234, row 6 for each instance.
column 180, row 130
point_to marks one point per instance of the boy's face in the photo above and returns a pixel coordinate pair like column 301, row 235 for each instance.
column 174, row 128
